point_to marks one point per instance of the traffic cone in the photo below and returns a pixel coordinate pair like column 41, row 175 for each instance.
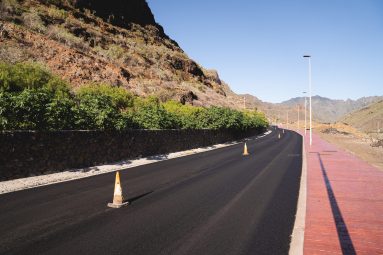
column 279, row 136
column 245, row 152
column 118, row 199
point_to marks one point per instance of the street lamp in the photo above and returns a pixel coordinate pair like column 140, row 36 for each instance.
column 304, row 92
column 311, row 129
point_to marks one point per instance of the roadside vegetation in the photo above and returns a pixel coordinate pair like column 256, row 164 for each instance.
column 32, row 98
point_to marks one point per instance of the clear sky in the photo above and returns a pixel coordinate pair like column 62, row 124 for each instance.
column 257, row 45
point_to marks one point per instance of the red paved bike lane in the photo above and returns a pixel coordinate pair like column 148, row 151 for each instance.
column 344, row 210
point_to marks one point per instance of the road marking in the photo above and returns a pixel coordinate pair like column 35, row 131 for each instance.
column 293, row 155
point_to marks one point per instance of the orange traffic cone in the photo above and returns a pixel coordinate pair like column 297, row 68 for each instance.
column 118, row 199
column 245, row 152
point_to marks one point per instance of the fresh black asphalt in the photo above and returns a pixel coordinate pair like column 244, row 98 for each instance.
column 216, row 202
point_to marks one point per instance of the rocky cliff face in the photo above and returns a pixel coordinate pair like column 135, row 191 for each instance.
column 119, row 12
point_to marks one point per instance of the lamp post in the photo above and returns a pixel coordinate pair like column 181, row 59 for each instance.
column 304, row 92
column 311, row 129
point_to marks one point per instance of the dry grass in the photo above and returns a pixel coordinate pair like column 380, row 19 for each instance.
column 33, row 21
column 369, row 119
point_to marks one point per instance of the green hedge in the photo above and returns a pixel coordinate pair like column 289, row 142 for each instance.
column 31, row 98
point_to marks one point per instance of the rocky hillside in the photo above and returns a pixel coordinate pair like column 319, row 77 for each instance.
column 119, row 12
column 329, row 110
column 368, row 119
column 115, row 42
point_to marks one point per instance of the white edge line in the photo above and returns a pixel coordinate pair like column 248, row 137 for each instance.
column 22, row 183
column 298, row 235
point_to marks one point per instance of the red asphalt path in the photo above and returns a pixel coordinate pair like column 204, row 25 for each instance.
column 344, row 210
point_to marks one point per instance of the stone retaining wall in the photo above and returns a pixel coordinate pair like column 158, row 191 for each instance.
column 26, row 153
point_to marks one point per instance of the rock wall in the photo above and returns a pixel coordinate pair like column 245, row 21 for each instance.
column 34, row 153
column 119, row 12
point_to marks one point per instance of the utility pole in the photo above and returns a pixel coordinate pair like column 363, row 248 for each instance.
column 298, row 117
column 287, row 122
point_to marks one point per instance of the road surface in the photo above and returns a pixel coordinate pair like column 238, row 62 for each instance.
column 216, row 202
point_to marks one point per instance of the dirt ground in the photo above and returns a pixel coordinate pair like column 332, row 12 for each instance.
column 353, row 141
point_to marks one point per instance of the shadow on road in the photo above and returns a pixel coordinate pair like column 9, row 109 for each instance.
column 133, row 199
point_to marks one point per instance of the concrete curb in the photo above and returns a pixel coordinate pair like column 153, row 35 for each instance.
column 298, row 235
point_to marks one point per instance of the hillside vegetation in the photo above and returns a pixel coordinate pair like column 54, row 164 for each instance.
column 89, row 41
column 31, row 98
column 368, row 119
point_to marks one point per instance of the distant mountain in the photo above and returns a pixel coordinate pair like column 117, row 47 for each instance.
column 368, row 119
column 330, row 110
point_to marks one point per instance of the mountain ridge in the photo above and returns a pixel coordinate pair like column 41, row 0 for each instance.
column 332, row 110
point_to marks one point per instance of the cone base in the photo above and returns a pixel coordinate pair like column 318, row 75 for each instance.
column 245, row 154
column 112, row 205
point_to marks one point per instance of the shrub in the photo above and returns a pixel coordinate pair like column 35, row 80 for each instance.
column 56, row 13
column 101, row 106
column 54, row 2
column 113, row 51
column 16, row 78
column 96, row 111
column 150, row 114
column 30, row 109
column 8, row 7
column 33, row 21
column 220, row 118
column 6, row 111
column 32, row 98
column 61, row 114
column 185, row 116
column 63, row 36
column 120, row 97
column 254, row 119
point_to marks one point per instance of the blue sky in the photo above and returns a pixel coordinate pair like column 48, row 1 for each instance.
column 257, row 46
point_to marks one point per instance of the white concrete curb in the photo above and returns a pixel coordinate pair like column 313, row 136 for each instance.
column 298, row 235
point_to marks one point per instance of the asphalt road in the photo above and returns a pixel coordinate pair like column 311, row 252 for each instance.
column 217, row 202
